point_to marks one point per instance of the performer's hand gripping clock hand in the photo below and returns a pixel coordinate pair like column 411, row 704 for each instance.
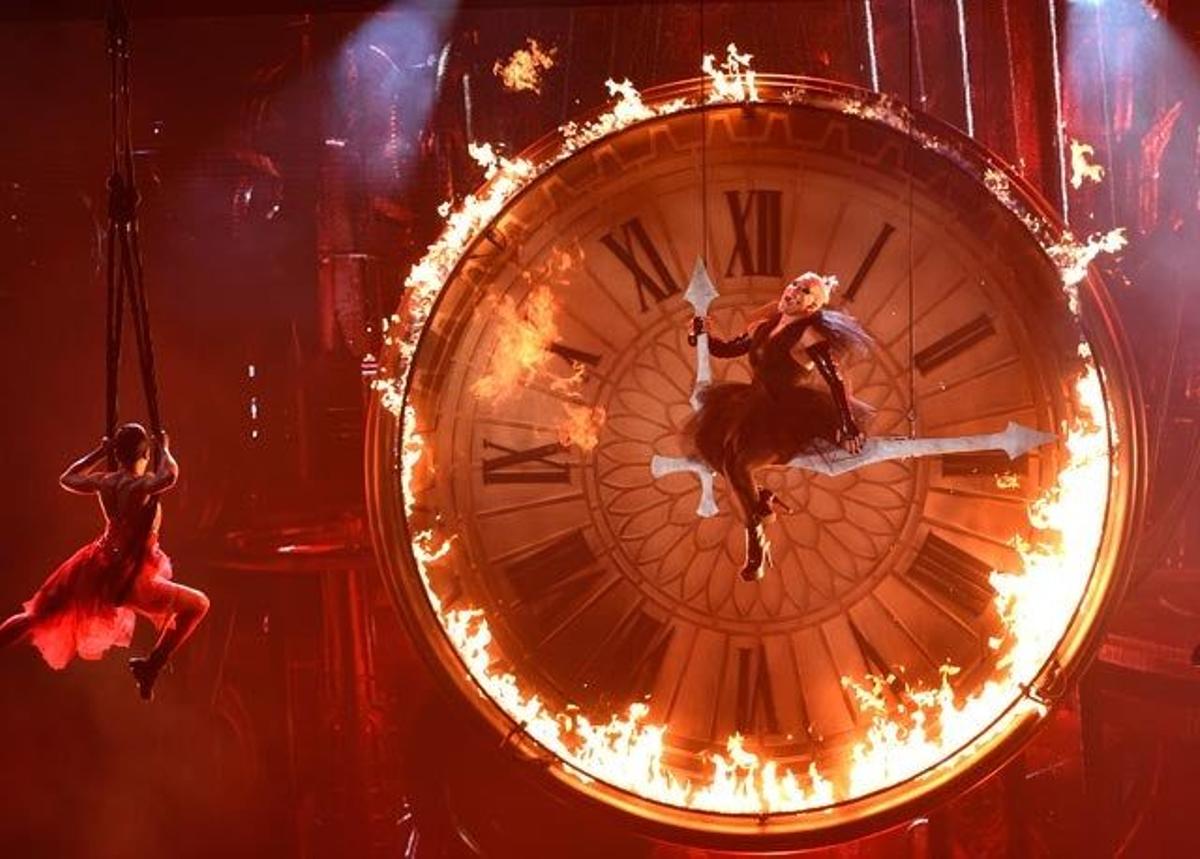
column 850, row 437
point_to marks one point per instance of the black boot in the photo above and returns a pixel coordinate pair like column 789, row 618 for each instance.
column 752, row 570
column 145, row 672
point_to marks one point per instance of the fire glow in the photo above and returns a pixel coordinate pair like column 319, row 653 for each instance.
column 1082, row 169
column 525, row 337
column 524, row 70
column 907, row 738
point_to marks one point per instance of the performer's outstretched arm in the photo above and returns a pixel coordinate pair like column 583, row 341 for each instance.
column 849, row 435
column 80, row 476
column 717, row 346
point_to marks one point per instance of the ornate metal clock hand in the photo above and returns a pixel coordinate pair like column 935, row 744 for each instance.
column 1015, row 440
column 700, row 294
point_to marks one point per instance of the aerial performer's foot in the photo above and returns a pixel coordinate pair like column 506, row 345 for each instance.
column 145, row 673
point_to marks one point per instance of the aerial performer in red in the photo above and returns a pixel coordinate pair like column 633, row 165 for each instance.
column 779, row 413
column 90, row 602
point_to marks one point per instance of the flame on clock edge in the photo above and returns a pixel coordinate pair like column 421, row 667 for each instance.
column 907, row 737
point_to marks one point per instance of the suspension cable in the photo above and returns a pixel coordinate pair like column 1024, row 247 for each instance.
column 703, row 150
column 912, row 291
column 124, row 272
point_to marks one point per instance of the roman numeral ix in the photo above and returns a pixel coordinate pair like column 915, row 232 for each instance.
column 532, row 465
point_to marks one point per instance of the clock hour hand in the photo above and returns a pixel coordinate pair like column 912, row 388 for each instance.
column 700, row 294
column 1015, row 440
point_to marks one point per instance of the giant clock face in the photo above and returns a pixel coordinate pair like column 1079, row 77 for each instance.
column 601, row 586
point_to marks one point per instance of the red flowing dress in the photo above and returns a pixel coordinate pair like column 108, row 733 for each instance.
column 89, row 603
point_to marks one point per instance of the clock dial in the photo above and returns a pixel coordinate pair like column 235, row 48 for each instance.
column 604, row 583
column 601, row 585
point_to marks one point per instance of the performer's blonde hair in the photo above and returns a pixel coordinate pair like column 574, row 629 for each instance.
column 829, row 282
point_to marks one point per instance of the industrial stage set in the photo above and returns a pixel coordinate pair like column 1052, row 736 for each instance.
column 618, row 429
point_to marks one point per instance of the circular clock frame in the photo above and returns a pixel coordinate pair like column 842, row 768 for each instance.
column 874, row 811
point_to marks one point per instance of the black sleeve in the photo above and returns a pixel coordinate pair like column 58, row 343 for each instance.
column 822, row 356
column 734, row 348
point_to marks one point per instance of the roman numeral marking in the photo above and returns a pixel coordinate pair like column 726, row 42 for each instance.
column 532, row 465
column 574, row 356
column 763, row 257
column 755, row 697
column 864, row 269
column 984, row 462
column 875, row 662
column 955, row 343
column 956, row 576
column 555, row 580
column 627, row 664
column 658, row 283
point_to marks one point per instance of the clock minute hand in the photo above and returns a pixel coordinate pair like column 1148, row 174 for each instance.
column 1014, row 440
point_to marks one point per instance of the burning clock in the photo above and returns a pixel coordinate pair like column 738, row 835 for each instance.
column 574, row 576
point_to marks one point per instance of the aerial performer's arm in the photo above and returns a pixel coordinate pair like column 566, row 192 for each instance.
column 83, row 475
column 167, row 473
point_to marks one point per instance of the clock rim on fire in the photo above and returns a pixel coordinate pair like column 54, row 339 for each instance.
column 873, row 811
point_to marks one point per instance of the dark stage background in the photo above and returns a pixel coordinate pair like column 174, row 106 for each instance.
column 291, row 161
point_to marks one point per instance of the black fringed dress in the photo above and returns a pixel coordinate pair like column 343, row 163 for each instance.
column 786, row 407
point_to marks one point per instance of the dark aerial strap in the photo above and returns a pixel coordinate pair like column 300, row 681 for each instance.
column 123, row 264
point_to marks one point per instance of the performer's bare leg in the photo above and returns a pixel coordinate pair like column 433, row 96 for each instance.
column 15, row 629
column 190, row 607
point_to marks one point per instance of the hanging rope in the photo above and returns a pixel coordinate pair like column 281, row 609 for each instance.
column 912, row 290
column 703, row 149
column 123, row 265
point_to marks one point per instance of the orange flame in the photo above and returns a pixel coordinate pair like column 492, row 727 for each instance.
column 1073, row 258
column 1083, row 170
column 581, row 426
column 1008, row 480
column 626, row 110
column 524, row 351
column 524, row 344
column 523, row 70
column 733, row 80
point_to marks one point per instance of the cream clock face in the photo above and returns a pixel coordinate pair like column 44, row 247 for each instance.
column 600, row 584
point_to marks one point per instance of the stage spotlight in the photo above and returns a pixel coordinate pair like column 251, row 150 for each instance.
column 388, row 82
